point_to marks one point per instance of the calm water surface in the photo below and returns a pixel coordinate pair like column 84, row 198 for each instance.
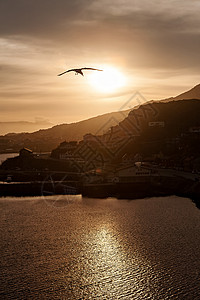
column 3, row 157
column 61, row 248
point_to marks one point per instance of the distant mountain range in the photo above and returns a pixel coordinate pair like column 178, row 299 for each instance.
column 21, row 126
column 47, row 139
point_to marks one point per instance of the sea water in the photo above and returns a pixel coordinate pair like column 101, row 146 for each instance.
column 69, row 247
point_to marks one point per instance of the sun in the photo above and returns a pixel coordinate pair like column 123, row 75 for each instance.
column 107, row 81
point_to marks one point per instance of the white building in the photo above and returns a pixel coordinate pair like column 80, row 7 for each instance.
column 194, row 129
column 134, row 173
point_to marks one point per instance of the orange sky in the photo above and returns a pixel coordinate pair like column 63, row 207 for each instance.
column 153, row 45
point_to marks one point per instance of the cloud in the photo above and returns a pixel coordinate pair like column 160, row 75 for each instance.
column 37, row 17
column 152, row 40
column 160, row 34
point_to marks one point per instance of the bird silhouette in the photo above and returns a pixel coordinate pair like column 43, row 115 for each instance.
column 78, row 71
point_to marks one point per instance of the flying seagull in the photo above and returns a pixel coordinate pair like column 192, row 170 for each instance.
column 78, row 71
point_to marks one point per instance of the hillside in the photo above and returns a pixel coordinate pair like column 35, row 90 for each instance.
column 47, row 139
column 194, row 93
column 170, row 128
column 166, row 132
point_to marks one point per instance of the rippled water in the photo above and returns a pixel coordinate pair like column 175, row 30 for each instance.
column 99, row 249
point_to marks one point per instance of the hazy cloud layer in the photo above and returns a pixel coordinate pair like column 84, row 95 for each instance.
column 38, row 39
column 35, row 17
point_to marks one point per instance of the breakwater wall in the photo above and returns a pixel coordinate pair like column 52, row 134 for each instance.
column 37, row 188
column 152, row 187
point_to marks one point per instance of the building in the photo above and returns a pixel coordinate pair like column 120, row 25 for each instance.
column 88, row 137
column 157, row 124
column 134, row 173
column 25, row 152
column 128, row 159
column 195, row 129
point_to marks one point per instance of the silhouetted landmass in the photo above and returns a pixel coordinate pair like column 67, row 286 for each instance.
column 171, row 128
column 165, row 133
column 23, row 126
column 48, row 139
column 194, row 93
column 163, row 136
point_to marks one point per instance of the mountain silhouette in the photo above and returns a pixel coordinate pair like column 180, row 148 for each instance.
column 47, row 139
column 21, row 126
column 193, row 93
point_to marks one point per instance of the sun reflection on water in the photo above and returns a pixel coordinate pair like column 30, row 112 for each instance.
column 109, row 269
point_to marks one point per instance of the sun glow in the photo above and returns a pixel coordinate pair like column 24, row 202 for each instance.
column 109, row 80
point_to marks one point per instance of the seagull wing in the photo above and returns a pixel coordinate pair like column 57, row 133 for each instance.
column 64, row 72
column 67, row 72
column 90, row 69
column 79, row 70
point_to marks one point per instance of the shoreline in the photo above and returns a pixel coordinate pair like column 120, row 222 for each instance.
column 162, row 186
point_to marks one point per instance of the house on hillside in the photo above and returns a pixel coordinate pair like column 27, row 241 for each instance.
column 25, row 152
column 88, row 137
column 65, row 150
